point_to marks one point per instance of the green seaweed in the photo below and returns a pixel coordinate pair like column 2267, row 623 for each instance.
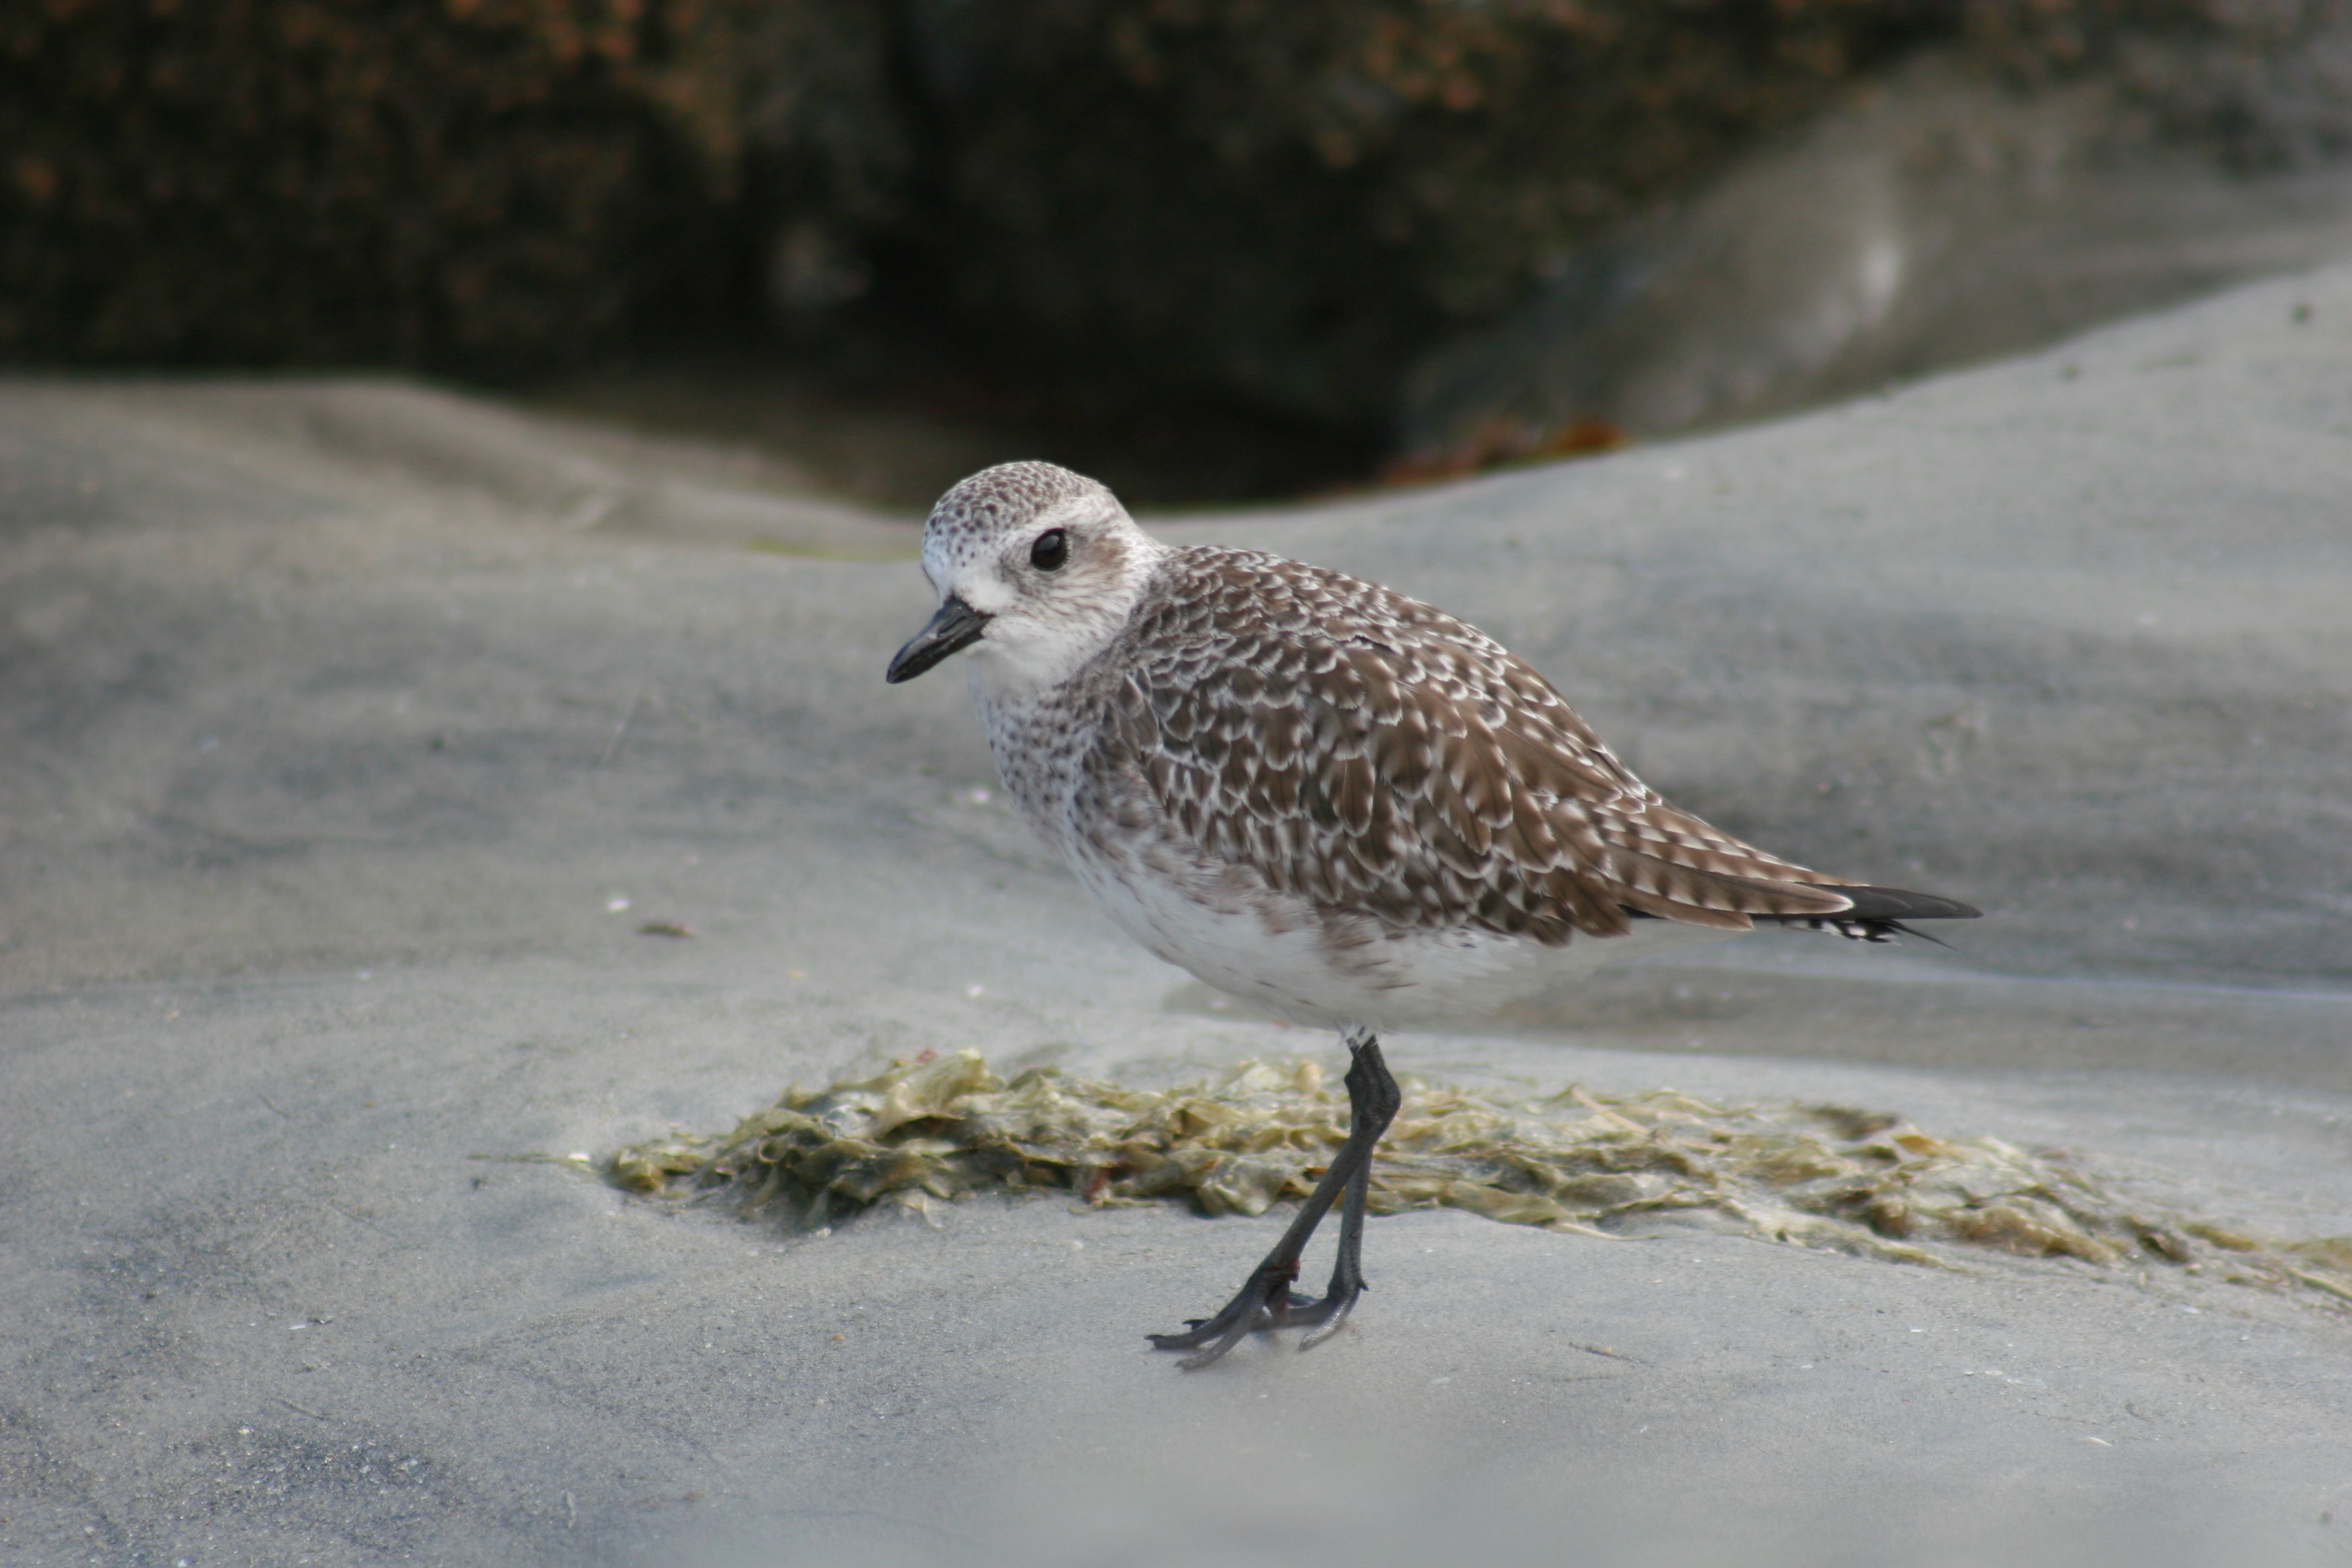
column 1857, row 1180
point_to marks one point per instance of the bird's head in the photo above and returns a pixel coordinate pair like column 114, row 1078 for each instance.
column 1037, row 569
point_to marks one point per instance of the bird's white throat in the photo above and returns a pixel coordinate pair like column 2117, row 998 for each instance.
column 1019, row 659
column 1034, row 644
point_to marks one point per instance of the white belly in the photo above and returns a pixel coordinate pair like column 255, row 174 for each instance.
column 1276, row 952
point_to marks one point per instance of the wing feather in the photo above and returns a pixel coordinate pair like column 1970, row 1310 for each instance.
column 1373, row 755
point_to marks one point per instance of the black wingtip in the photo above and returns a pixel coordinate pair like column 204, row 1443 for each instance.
column 1897, row 928
column 1893, row 904
column 1879, row 914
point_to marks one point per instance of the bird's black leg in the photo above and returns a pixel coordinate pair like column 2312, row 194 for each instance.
column 1266, row 1301
column 1377, row 1097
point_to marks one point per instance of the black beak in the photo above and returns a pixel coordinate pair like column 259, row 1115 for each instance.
column 956, row 627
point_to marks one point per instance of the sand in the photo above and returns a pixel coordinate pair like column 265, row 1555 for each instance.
column 351, row 732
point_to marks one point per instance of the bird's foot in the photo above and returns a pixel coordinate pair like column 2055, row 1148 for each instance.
column 1266, row 1302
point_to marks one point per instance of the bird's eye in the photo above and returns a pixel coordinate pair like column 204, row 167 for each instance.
column 1053, row 548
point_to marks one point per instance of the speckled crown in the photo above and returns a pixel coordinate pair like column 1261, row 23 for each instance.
column 993, row 502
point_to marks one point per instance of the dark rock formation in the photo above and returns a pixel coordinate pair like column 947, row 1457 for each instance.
column 1273, row 208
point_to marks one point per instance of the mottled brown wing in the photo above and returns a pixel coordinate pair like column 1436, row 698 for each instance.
column 1371, row 755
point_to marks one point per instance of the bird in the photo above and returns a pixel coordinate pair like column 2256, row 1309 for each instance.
column 1323, row 797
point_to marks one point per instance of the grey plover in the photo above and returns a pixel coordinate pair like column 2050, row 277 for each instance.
column 1322, row 796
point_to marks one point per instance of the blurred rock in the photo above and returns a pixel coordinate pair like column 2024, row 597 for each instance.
column 1285, row 203
column 479, row 183
column 1126, row 208
column 1938, row 218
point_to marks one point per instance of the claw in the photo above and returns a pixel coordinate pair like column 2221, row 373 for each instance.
column 1337, row 1321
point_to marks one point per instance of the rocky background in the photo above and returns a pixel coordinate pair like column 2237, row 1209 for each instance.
column 1270, row 213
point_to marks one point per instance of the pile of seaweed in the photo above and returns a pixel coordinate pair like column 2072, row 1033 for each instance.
column 1862, row 1182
